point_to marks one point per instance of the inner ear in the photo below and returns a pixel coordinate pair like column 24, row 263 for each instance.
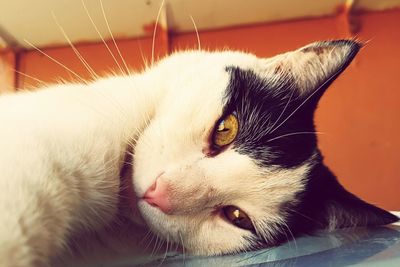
column 314, row 67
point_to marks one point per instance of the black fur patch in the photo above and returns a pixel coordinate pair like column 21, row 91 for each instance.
column 262, row 107
column 325, row 202
column 276, row 129
column 275, row 118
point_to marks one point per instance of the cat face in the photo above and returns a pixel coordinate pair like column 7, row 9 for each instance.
column 230, row 156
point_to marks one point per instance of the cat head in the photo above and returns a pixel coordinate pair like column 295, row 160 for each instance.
column 229, row 161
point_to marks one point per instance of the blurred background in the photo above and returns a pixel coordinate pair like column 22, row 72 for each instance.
column 359, row 115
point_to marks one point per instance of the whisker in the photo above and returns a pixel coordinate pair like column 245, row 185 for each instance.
column 29, row 76
column 77, row 53
column 287, row 238
column 144, row 59
column 283, row 111
column 309, row 97
column 107, row 46
column 152, row 236
column 159, row 246
column 113, row 39
column 183, row 247
column 55, row 61
column 293, row 238
column 197, row 33
column 290, row 134
column 305, row 216
column 153, row 44
column 254, row 255
column 166, row 252
column 101, row 36
column 155, row 245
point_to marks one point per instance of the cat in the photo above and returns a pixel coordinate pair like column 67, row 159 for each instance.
column 215, row 151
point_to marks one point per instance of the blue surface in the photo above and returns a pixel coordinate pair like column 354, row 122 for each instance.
column 378, row 246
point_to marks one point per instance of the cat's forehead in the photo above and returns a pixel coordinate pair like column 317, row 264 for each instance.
column 205, row 62
column 199, row 79
column 200, row 86
column 218, row 58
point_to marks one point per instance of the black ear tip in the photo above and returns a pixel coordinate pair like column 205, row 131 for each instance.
column 353, row 45
column 350, row 47
column 342, row 42
column 391, row 218
column 346, row 49
column 347, row 42
column 385, row 217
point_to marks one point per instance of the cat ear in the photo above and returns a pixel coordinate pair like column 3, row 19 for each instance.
column 334, row 207
column 314, row 67
column 346, row 210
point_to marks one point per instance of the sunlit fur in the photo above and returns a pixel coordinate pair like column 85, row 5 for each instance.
column 63, row 148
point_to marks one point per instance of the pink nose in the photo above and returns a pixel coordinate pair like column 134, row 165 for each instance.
column 157, row 196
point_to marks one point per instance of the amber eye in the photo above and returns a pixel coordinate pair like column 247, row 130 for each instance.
column 237, row 217
column 226, row 131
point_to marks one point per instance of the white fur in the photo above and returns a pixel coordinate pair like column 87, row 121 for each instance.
column 63, row 147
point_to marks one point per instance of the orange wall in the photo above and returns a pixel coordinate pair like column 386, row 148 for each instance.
column 7, row 71
column 359, row 114
column 37, row 66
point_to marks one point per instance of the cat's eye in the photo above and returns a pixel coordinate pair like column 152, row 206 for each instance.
column 237, row 217
column 226, row 131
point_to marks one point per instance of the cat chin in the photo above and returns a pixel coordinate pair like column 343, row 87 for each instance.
column 160, row 224
column 156, row 220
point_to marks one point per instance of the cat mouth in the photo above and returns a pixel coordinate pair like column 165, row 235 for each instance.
column 153, row 216
column 161, row 204
column 145, row 206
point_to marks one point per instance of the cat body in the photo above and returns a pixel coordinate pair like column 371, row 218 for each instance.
column 65, row 150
